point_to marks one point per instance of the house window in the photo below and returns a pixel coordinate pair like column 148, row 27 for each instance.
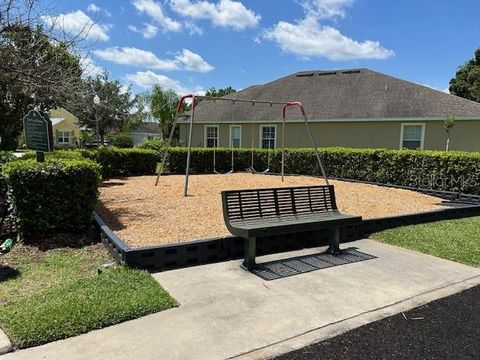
column 235, row 136
column 64, row 137
column 412, row 136
column 268, row 136
column 211, row 136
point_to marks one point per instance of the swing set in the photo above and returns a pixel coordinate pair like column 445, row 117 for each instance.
column 285, row 106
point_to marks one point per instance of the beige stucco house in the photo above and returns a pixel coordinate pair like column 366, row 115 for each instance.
column 66, row 129
column 356, row 108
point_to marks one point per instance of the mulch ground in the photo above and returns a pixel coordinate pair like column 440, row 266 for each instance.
column 448, row 328
column 144, row 215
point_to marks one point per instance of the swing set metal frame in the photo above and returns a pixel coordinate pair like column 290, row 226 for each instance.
column 286, row 105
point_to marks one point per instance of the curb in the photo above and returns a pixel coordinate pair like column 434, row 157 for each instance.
column 5, row 344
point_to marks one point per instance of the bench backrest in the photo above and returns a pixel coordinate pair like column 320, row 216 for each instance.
column 255, row 204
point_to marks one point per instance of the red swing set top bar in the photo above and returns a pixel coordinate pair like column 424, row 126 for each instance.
column 312, row 139
column 293, row 103
column 181, row 102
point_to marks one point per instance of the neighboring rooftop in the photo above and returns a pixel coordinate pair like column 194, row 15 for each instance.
column 343, row 94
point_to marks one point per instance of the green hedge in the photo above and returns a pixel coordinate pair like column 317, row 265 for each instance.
column 451, row 171
column 58, row 194
column 124, row 162
column 122, row 140
column 153, row 144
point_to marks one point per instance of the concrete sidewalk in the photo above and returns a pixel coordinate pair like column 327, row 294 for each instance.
column 226, row 312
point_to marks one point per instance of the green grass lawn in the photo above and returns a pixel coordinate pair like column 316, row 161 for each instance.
column 54, row 294
column 457, row 240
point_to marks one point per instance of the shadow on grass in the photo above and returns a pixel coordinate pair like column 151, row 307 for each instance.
column 54, row 240
column 8, row 273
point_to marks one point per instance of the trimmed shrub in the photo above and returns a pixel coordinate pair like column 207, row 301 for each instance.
column 439, row 170
column 59, row 194
column 5, row 228
column 122, row 140
column 124, row 162
column 153, row 144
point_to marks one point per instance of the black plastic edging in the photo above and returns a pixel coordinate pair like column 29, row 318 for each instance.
column 197, row 252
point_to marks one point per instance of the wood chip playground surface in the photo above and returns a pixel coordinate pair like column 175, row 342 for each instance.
column 144, row 215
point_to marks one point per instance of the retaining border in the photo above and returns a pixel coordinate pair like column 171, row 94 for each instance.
column 199, row 252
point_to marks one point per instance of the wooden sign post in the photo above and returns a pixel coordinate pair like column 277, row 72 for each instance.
column 38, row 133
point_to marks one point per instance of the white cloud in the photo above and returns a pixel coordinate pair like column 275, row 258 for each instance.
column 148, row 31
column 147, row 79
column 136, row 57
column 186, row 60
column 193, row 62
column 156, row 12
column 89, row 67
column 193, row 28
column 326, row 9
column 308, row 38
column 94, row 8
column 445, row 90
column 225, row 13
column 78, row 23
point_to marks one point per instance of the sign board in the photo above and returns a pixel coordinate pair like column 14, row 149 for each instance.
column 38, row 131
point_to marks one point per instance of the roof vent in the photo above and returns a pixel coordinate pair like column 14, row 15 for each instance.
column 305, row 75
column 324, row 73
column 356, row 71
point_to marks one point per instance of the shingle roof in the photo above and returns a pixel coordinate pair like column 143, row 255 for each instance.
column 343, row 94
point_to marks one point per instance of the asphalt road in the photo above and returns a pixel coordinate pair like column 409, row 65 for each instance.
column 448, row 328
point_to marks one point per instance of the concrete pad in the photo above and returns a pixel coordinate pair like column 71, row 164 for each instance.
column 227, row 312
column 5, row 344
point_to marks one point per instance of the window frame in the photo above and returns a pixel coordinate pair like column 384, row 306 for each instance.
column 402, row 131
column 61, row 136
column 231, row 133
column 262, row 126
column 205, row 133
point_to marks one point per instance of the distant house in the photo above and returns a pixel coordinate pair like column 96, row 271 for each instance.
column 145, row 131
column 66, row 129
column 356, row 108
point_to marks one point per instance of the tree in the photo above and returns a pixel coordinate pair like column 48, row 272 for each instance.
column 163, row 108
column 142, row 113
column 448, row 125
column 212, row 92
column 114, row 108
column 39, row 68
column 466, row 82
column 20, row 88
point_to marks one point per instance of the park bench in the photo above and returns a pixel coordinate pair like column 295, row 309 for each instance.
column 262, row 212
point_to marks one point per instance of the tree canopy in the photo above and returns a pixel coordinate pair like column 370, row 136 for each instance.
column 466, row 82
column 212, row 92
column 163, row 108
column 35, row 72
column 112, row 113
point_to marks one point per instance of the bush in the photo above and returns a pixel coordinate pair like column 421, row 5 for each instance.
column 122, row 140
column 439, row 170
column 124, row 162
column 59, row 194
column 5, row 228
column 153, row 144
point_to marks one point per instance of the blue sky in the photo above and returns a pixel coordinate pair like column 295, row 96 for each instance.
column 191, row 45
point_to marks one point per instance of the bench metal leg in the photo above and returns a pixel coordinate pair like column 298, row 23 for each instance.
column 249, row 247
column 334, row 247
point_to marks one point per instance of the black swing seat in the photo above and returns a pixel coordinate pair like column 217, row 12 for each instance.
column 274, row 211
